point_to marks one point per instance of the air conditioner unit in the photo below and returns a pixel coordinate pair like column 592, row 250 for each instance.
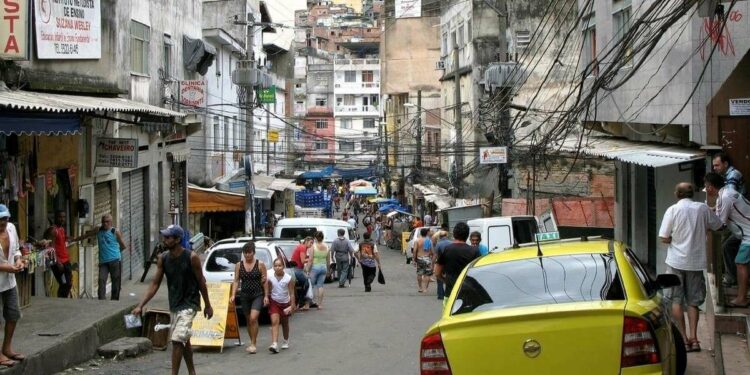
column 440, row 65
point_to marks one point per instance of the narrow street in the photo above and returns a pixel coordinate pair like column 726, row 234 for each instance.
column 356, row 333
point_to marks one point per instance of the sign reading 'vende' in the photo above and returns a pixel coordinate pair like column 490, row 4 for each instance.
column 14, row 30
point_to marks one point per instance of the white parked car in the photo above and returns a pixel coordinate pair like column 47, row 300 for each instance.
column 300, row 227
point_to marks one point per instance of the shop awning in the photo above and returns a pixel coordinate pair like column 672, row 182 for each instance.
column 39, row 123
column 202, row 200
column 281, row 184
column 365, row 190
column 263, row 194
column 59, row 103
column 640, row 153
column 440, row 201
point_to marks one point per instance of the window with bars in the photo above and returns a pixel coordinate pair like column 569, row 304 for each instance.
column 368, row 123
column 321, row 124
column 369, row 146
column 523, row 38
column 367, row 76
column 321, row 102
column 350, row 76
column 140, row 37
column 346, row 123
column 346, row 146
column 321, row 145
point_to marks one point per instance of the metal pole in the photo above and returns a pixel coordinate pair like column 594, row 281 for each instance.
column 387, row 167
column 459, row 123
column 268, row 145
column 249, row 138
column 418, row 159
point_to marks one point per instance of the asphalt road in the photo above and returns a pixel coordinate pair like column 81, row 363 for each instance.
column 355, row 333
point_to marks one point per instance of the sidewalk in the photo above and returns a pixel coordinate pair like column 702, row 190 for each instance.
column 55, row 333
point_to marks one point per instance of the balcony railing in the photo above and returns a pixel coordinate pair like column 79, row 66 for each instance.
column 357, row 85
column 357, row 109
column 357, row 62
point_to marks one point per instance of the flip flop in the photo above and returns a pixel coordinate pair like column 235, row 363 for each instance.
column 18, row 357
column 732, row 304
column 8, row 363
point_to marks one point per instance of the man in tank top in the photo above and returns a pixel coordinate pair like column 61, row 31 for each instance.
column 184, row 282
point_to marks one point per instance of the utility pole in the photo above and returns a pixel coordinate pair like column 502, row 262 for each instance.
column 387, row 161
column 268, row 143
column 418, row 158
column 459, row 123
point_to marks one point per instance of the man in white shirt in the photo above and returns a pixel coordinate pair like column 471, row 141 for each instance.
column 684, row 228
column 734, row 211
column 11, row 263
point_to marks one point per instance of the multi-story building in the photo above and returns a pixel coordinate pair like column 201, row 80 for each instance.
column 356, row 92
column 472, row 33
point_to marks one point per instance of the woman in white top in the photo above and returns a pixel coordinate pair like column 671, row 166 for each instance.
column 11, row 263
column 281, row 304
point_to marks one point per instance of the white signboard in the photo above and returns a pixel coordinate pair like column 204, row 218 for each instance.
column 117, row 152
column 68, row 29
column 14, row 29
column 408, row 8
column 493, row 155
column 739, row 107
column 193, row 95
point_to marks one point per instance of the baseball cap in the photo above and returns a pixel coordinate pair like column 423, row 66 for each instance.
column 172, row 231
column 4, row 212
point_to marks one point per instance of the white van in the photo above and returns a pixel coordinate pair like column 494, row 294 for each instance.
column 502, row 232
column 301, row 227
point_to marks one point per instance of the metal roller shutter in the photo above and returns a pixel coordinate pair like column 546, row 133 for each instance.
column 133, row 222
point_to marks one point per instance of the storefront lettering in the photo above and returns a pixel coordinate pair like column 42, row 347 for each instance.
column 12, row 14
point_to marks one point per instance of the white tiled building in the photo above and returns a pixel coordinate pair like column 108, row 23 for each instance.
column 356, row 94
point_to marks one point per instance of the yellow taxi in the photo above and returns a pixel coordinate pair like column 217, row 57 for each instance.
column 568, row 307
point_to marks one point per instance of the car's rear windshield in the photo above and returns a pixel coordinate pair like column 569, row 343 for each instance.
column 329, row 232
column 539, row 281
column 223, row 260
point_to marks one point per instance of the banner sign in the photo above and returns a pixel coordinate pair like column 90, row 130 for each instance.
column 117, row 152
column 408, row 8
column 193, row 95
column 267, row 96
column 14, row 29
column 739, row 107
column 211, row 332
column 68, row 29
column 493, row 155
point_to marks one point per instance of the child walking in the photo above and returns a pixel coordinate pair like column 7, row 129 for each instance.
column 281, row 305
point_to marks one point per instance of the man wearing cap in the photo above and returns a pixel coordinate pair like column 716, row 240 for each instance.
column 10, row 264
column 62, row 269
column 186, row 284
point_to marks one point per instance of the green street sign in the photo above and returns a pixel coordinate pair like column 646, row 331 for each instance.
column 267, row 96
column 548, row 236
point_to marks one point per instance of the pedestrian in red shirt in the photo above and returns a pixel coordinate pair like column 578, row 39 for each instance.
column 61, row 269
column 301, row 257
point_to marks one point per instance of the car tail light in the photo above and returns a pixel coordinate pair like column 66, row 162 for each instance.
column 639, row 346
column 432, row 357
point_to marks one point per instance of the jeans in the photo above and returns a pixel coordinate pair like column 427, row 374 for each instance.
column 342, row 270
column 318, row 275
column 730, row 246
column 301, row 280
column 113, row 269
column 64, row 276
column 440, row 289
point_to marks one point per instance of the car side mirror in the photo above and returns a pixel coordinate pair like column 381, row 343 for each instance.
column 667, row 280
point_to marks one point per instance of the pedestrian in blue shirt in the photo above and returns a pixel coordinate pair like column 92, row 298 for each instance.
column 475, row 239
column 111, row 246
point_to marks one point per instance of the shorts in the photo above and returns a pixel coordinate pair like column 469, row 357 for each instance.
column 424, row 266
column 11, row 311
column 743, row 256
column 692, row 288
column 249, row 303
column 182, row 325
column 277, row 308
